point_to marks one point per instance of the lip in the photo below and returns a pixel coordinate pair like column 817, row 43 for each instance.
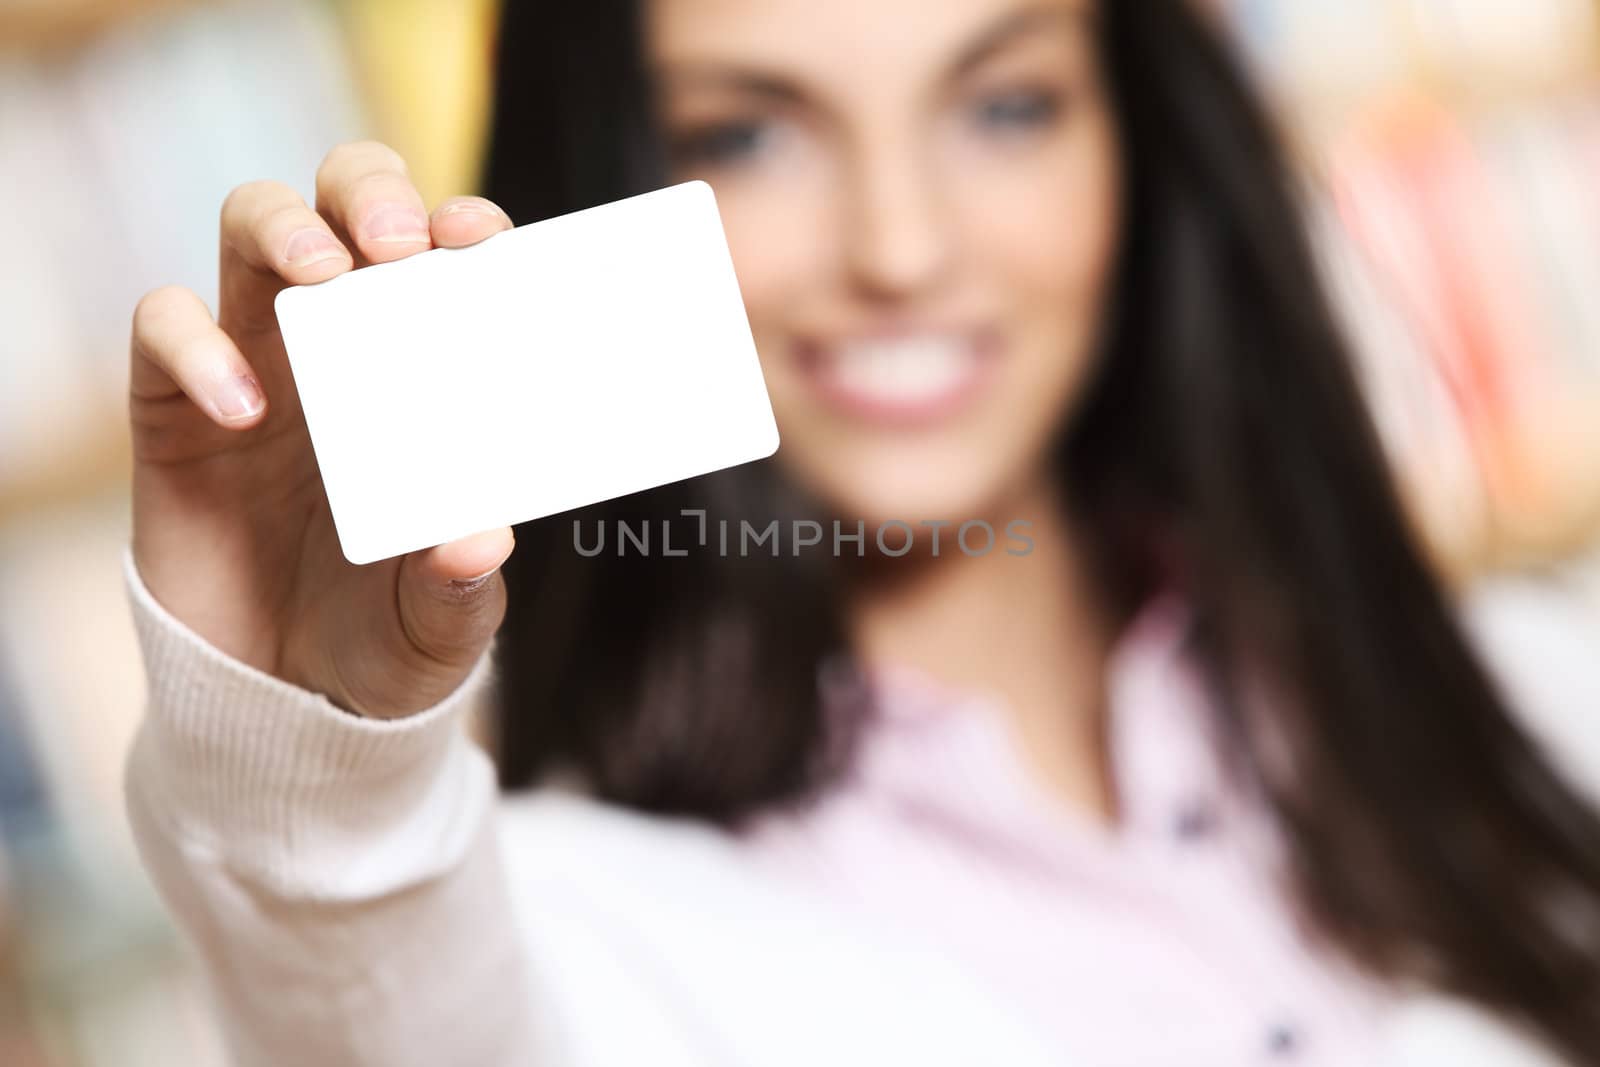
column 815, row 359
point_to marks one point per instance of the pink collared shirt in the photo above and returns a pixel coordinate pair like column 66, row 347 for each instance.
column 1163, row 940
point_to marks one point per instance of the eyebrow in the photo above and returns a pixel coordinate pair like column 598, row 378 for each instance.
column 1010, row 28
column 738, row 80
column 991, row 41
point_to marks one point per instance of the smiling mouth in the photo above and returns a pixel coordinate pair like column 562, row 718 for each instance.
column 901, row 378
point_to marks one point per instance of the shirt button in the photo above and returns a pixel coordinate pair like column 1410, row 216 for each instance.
column 1195, row 821
column 1283, row 1041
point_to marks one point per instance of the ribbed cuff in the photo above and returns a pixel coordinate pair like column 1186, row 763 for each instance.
column 244, row 769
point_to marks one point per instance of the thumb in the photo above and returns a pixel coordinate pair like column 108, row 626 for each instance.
column 452, row 598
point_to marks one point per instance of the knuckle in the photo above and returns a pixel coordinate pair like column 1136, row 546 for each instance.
column 375, row 154
column 240, row 197
column 383, row 156
column 332, row 159
column 158, row 306
column 373, row 184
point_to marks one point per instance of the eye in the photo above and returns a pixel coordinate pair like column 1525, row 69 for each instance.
column 721, row 143
column 1019, row 109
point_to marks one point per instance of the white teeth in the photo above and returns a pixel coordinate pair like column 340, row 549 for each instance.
column 902, row 370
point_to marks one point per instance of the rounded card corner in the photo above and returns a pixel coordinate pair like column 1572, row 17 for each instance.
column 283, row 296
column 358, row 558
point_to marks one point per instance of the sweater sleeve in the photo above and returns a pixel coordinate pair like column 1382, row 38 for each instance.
column 339, row 876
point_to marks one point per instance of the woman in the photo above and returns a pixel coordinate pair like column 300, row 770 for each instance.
column 1193, row 766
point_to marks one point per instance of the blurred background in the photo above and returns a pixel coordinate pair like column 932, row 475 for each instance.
column 1451, row 155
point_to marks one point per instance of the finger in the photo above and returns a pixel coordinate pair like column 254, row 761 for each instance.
column 365, row 191
column 468, row 560
column 466, row 220
column 179, row 350
column 271, row 239
column 452, row 598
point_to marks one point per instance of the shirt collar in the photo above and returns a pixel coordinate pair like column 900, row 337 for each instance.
column 947, row 749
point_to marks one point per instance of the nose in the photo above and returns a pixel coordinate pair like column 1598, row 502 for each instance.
column 898, row 235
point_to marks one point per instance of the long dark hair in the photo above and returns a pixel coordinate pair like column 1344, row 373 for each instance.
column 1428, row 838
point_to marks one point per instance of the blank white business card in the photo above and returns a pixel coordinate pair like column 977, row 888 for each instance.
column 551, row 366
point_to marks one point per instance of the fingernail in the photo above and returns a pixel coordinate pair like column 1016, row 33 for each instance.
column 393, row 224
column 311, row 245
column 472, row 207
column 238, row 397
column 472, row 585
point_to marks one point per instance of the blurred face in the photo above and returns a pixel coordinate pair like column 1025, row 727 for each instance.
column 921, row 201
